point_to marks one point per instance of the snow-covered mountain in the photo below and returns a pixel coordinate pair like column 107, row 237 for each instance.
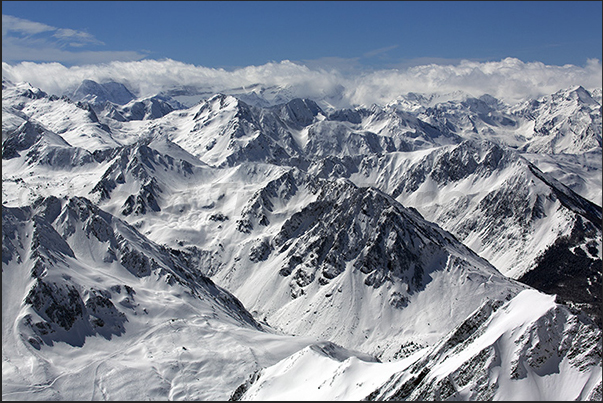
column 255, row 94
column 568, row 121
column 94, row 309
column 55, row 238
column 98, row 94
column 75, row 122
column 501, row 206
column 336, row 257
column 240, row 243
column 139, row 109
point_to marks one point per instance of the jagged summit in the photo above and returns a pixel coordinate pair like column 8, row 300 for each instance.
column 349, row 254
column 554, row 114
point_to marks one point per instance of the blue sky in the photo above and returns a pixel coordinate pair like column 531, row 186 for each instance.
column 342, row 34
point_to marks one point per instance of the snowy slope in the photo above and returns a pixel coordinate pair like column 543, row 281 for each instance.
column 351, row 265
column 580, row 172
column 501, row 352
column 503, row 208
column 91, row 309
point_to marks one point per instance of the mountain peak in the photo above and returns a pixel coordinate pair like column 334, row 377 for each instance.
column 299, row 111
column 97, row 94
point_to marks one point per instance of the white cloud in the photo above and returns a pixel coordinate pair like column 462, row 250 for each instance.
column 376, row 52
column 340, row 64
column 21, row 26
column 509, row 79
column 33, row 41
column 81, row 38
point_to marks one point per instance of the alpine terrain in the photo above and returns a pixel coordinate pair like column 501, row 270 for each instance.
column 251, row 244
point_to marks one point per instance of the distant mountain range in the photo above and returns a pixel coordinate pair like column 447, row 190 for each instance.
column 250, row 244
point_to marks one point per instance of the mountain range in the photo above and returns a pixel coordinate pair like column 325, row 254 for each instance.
column 249, row 244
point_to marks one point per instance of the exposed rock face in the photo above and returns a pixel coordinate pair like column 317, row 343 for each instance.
column 571, row 269
column 362, row 226
column 24, row 137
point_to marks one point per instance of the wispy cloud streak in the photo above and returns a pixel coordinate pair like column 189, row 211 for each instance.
column 376, row 52
column 33, row 41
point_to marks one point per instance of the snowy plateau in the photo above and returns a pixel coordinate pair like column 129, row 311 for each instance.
column 249, row 244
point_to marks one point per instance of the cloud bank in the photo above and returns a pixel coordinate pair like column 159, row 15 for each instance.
column 510, row 79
